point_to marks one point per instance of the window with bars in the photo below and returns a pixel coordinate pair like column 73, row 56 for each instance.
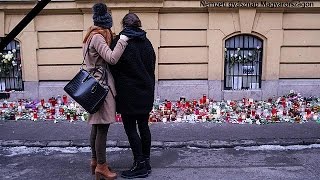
column 11, row 72
column 243, row 62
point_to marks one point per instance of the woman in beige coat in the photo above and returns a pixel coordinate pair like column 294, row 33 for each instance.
column 98, row 55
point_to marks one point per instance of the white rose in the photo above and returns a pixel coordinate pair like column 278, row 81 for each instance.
column 249, row 54
column 236, row 55
column 6, row 56
column 14, row 50
column 9, row 52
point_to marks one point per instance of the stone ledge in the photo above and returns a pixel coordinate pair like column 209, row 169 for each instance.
column 198, row 144
column 36, row 143
column 59, row 144
column 156, row 144
column 123, row 144
column 174, row 144
column 221, row 144
column 216, row 144
column 13, row 143
column 80, row 143
column 111, row 143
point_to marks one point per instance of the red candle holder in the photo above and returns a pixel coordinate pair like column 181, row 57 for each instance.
column 168, row 105
column 253, row 112
column 201, row 101
column 239, row 120
column 68, row 116
column 195, row 102
column 53, row 111
column 204, row 98
column 65, row 99
column 42, row 102
column 284, row 112
column 187, row 104
column 61, row 111
column 35, row 114
column 274, row 111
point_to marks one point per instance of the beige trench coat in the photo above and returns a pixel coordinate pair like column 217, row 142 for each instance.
column 100, row 54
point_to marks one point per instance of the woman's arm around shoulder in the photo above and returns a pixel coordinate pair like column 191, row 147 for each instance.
column 111, row 57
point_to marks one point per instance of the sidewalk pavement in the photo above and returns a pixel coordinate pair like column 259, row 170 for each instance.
column 164, row 135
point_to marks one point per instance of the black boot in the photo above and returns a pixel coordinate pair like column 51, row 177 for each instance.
column 148, row 166
column 138, row 170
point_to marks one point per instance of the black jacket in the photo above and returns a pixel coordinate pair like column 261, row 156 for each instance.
column 134, row 76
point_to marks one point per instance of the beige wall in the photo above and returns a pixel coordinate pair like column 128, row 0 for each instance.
column 188, row 39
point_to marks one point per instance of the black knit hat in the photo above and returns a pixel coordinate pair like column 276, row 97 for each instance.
column 101, row 17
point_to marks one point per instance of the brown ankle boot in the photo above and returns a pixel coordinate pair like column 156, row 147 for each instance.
column 93, row 166
column 102, row 170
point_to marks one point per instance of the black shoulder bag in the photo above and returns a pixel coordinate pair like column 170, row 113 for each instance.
column 86, row 90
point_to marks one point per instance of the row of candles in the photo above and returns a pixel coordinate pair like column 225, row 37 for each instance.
column 56, row 108
column 290, row 108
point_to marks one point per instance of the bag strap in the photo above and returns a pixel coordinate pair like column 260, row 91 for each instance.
column 85, row 55
column 105, row 73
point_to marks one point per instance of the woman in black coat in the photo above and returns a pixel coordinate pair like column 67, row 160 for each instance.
column 135, row 81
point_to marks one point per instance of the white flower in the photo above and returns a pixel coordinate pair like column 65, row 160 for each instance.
column 14, row 63
column 236, row 55
column 238, row 49
column 9, row 52
column 6, row 56
column 14, row 50
column 0, row 53
column 231, row 55
column 225, row 49
column 244, row 56
column 240, row 57
column 249, row 54
column 258, row 47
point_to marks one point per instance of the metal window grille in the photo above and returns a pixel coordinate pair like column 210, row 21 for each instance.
column 12, row 80
column 243, row 63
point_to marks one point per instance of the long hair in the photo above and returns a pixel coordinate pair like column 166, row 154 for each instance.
column 106, row 33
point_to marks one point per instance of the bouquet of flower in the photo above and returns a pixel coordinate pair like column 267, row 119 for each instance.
column 7, row 61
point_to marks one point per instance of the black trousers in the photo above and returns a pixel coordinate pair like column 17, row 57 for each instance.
column 140, row 145
column 98, row 140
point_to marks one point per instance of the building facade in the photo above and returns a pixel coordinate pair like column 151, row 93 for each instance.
column 227, row 50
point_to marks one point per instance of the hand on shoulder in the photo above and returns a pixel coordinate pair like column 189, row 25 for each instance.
column 124, row 37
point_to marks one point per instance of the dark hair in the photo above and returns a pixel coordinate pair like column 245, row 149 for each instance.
column 131, row 20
